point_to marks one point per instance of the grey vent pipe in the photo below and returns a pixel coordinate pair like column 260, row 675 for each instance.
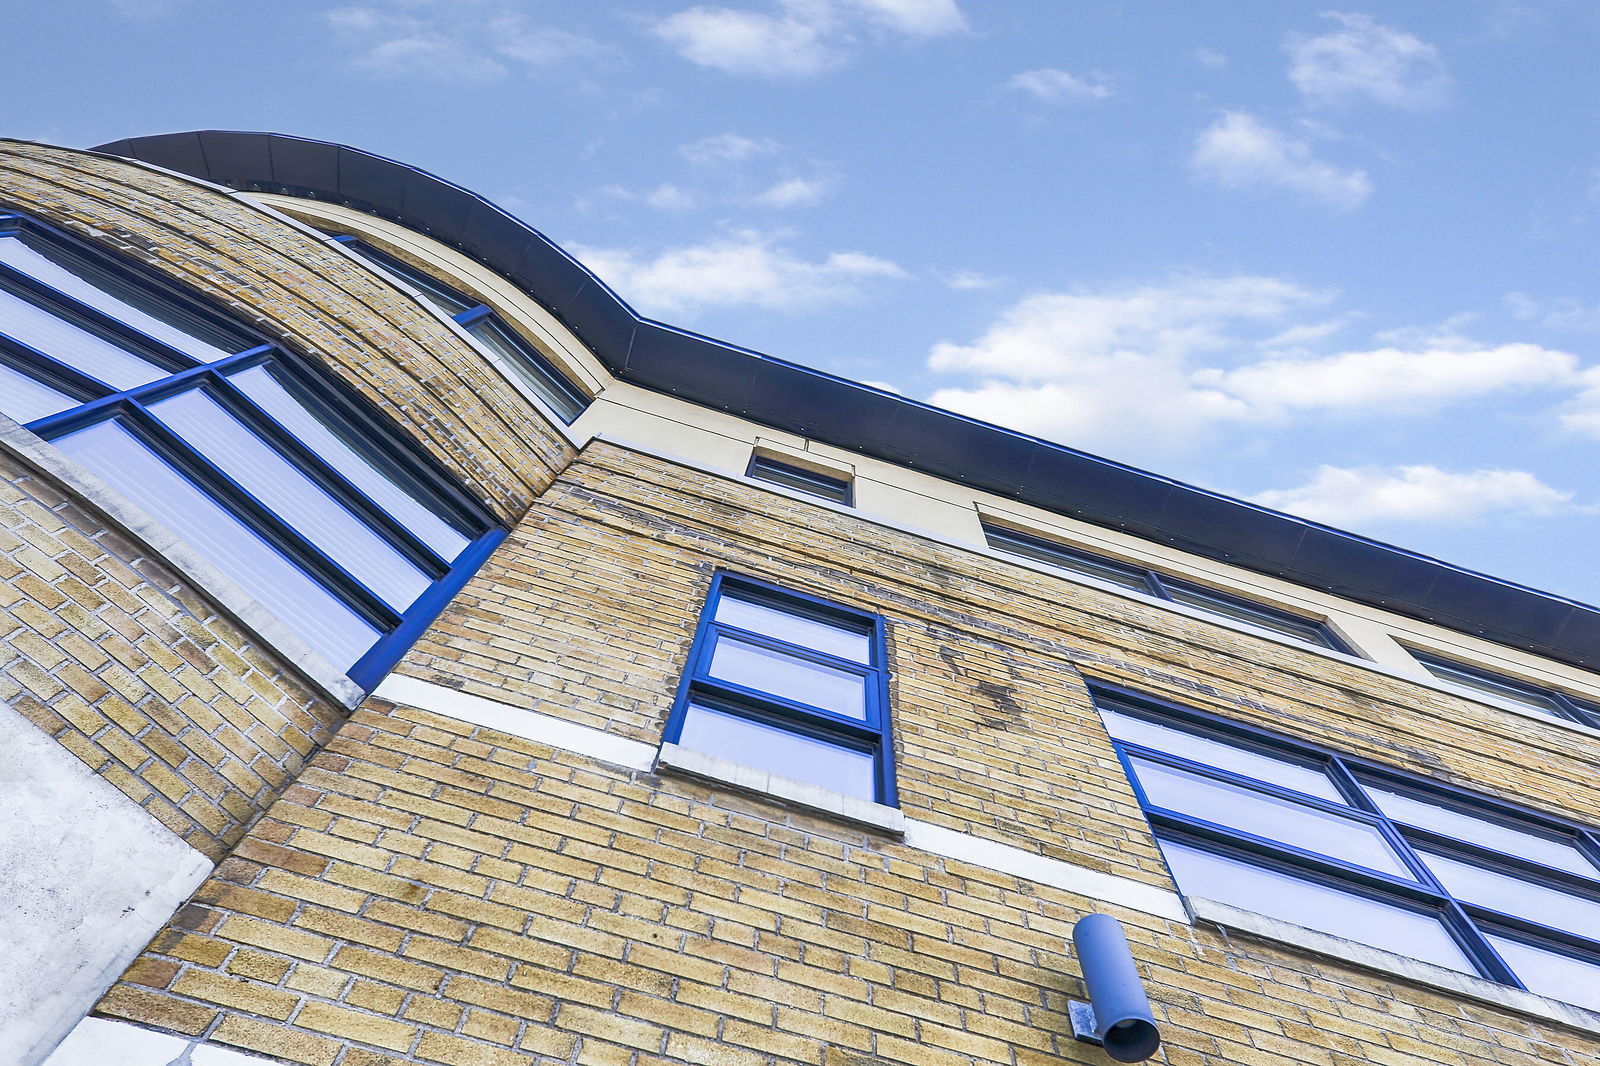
column 1117, row 1016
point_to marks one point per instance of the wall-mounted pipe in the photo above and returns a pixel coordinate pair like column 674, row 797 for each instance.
column 1117, row 1016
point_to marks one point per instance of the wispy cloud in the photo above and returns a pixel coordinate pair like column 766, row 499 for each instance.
column 1059, row 87
column 1373, row 495
column 1150, row 370
column 1362, row 60
column 1239, row 151
column 799, row 38
column 733, row 170
column 442, row 41
column 745, row 268
column 1555, row 314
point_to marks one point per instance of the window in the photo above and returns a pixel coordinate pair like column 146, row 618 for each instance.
column 789, row 684
column 1138, row 579
column 311, row 502
column 1363, row 852
column 1504, row 690
column 505, row 345
column 809, row 482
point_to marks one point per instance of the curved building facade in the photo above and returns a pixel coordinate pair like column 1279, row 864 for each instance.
column 411, row 654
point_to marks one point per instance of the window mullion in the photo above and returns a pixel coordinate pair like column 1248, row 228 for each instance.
column 51, row 371
column 161, row 355
column 327, row 477
column 236, row 498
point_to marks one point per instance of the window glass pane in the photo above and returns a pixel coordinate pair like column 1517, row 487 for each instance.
column 852, row 644
column 24, row 399
column 1250, row 614
column 105, row 292
column 544, row 382
column 781, row 674
column 438, row 295
column 293, row 496
column 828, row 488
column 329, row 441
column 1492, row 686
column 1220, row 755
column 1267, row 816
column 1550, row 974
column 303, row 605
column 44, row 331
column 1514, row 895
column 778, row 751
column 1128, row 577
column 1315, row 906
column 1442, row 819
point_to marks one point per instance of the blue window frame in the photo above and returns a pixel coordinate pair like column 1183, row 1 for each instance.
column 1482, row 682
column 764, row 468
column 511, row 350
column 1364, row 852
column 1139, row 579
column 790, row 684
column 313, row 502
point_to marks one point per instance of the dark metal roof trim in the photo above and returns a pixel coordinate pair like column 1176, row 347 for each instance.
column 880, row 424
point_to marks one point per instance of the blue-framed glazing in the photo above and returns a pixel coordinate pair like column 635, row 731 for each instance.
column 1479, row 681
column 480, row 321
column 1140, row 579
column 833, row 489
column 1357, row 782
column 347, row 418
column 868, row 735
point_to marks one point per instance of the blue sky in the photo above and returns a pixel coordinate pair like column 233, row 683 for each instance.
column 1340, row 260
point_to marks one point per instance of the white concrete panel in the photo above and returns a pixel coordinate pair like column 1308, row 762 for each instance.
column 103, row 1042
column 530, row 725
column 88, row 878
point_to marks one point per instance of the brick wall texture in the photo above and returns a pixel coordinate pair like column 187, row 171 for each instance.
column 432, row 891
column 422, row 890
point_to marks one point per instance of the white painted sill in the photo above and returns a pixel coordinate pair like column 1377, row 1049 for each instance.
column 1236, row 920
column 697, row 764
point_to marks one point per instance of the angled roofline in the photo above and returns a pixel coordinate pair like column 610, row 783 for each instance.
column 880, row 424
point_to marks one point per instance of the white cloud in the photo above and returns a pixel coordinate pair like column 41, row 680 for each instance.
column 443, row 41
column 1380, row 494
column 792, row 192
column 799, row 38
column 1554, row 314
column 1149, row 370
column 1089, row 368
column 668, row 197
column 1057, row 86
column 746, row 268
column 969, row 280
column 1392, row 378
column 726, row 148
column 1364, row 60
column 1210, row 58
column 1238, row 151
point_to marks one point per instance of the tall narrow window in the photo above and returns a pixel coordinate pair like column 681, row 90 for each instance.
column 789, row 684
column 310, row 501
column 1364, row 852
column 1139, row 579
column 526, row 365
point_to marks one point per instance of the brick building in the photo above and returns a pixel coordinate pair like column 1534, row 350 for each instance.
column 411, row 655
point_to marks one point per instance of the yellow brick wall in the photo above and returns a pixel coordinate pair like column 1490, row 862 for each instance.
column 429, row 890
column 135, row 672
column 433, row 891
column 294, row 288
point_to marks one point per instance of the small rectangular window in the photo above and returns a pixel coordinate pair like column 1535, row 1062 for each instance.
column 789, row 684
column 1364, row 852
column 764, row 468
column 1139, row 579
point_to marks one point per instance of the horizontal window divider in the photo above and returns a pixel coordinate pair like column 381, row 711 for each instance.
column 1288, row 858
column 1516, row 865
column 472, row 316
column 1253, row 784
column 54, row 373
column 797, row 651
column 796, row 716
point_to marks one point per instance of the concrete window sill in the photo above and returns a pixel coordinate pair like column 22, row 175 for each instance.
column 698, row 764
column 1234, row 920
